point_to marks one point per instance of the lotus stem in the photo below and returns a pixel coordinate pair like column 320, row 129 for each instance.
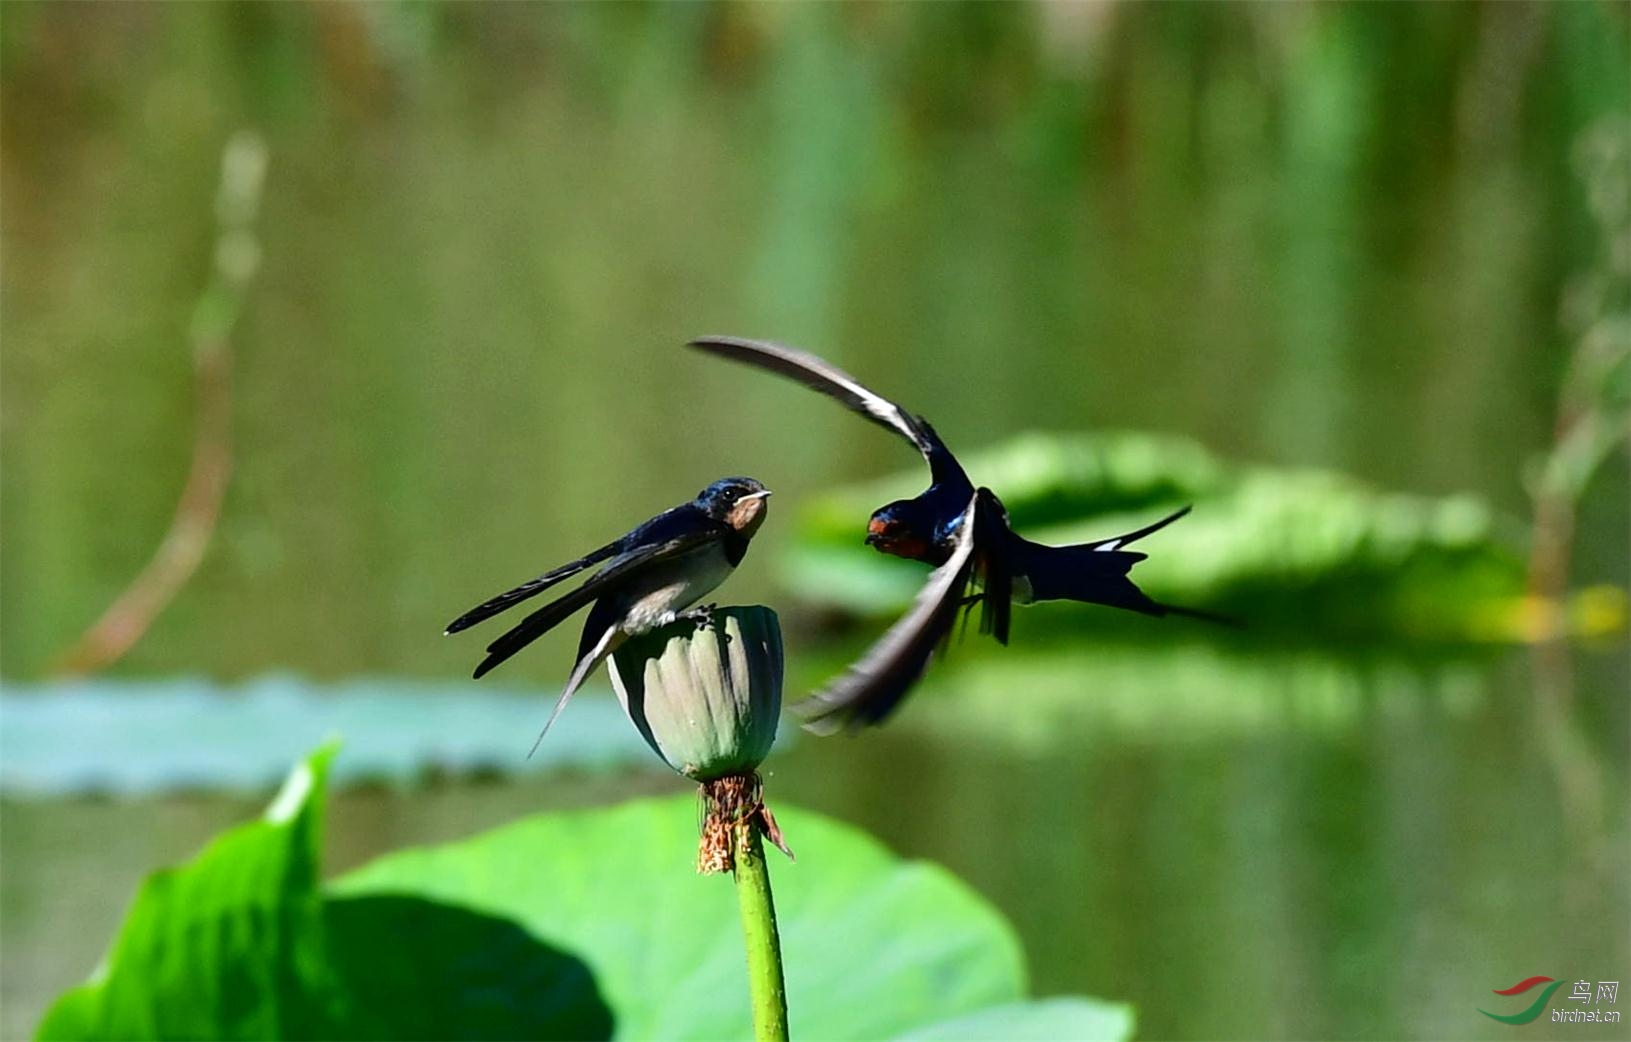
column 766, row 987
column 706, row 699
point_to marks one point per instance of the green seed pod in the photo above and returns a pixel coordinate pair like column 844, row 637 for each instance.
column 706, row 698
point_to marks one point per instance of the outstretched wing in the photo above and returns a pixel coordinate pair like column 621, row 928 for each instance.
column 621, row 568
column 832, row 381
column 532, row 587
column 872, row 688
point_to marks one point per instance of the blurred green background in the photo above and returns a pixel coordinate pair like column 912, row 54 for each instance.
column 1359, row 237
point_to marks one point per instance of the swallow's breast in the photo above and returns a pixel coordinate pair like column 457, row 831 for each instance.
column 673, row 586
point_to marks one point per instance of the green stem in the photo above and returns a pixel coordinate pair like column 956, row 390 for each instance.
column 765, row 984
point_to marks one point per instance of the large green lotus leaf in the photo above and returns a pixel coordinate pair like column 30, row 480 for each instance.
column 460, row 941
column 873, row 945
column 230, row 946
column 1044, row 1020
column 242, row 944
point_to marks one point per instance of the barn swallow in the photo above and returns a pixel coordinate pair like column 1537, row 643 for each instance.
column 960, row 529
column 651, row 576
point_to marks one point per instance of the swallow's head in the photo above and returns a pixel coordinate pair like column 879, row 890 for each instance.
column 739, row 502
column 900, row 528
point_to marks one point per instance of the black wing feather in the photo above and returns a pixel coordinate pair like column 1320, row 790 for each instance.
column 559, row 610
column 992, row 539
column 821, row 375
column 532, row 587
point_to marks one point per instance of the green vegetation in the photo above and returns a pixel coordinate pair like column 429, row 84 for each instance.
column 243, row 944
column 575, row 926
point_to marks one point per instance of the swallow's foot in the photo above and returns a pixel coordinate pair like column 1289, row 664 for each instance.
column 702, row 615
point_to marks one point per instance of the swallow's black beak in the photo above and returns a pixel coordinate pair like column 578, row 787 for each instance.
column 877, row 529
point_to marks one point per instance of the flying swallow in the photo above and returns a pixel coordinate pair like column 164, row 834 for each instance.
column 960, row 529
column 651, row 576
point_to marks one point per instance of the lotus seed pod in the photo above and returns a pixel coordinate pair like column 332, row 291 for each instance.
column 706, row 698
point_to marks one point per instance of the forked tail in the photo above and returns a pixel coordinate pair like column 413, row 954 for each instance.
column 1097, row 573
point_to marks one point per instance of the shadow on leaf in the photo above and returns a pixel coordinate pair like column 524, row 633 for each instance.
column 415, row 969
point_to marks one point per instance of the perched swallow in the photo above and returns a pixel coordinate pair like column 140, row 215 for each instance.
column 960, row 529
column 654, row 574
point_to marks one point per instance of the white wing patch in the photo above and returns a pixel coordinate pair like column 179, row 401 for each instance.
column 818, row 375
